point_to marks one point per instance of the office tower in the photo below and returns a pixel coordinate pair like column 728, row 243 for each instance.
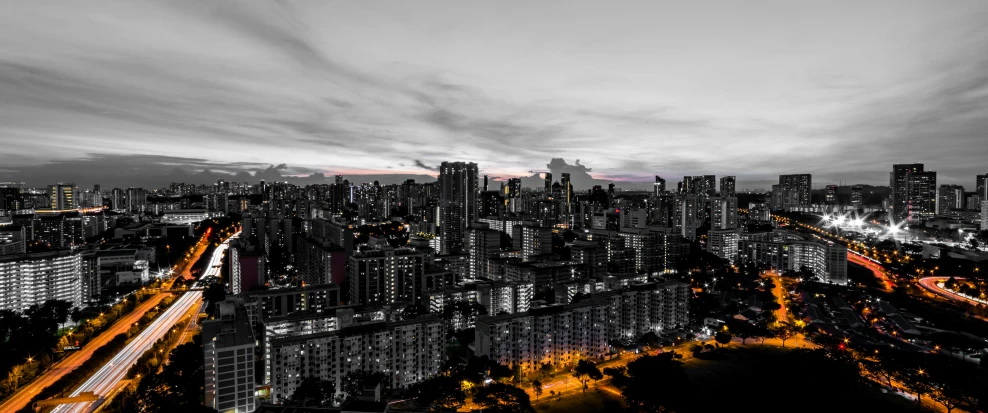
column 686, row 186
column 228, row 344
column 28, row 279
column 857, row 197
column 723, row 212
column 981, row 186
column 567, row 188
column 660, row 186
column 727, row 186
column 949, row 197
column 921, row 195
column 62, row 196
column 385, row 275
column 830, row 195
column 458, row 203
column 483, row 243
column 794, row 191
column 531, row 240
column 485, row 183
column 548, row 183
column 899, row 182
column 688, row 215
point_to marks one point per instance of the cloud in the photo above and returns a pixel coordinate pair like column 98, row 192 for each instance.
column 235, row 88
column 419, row 164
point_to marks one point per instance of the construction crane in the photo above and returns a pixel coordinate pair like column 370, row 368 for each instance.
column 86, row 396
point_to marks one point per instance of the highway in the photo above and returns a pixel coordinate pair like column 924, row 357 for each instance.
column 24, row 395
column 933, row 285
column 108, row 377
column 875, row 268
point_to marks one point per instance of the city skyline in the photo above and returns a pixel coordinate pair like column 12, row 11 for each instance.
column 382, row 89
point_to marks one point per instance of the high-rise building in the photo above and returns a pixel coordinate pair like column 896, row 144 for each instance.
column 62, row 196
column 723, row 212
column 727, row 186
column 563, row 334
column 531, row 240
column 981, row 186
column 483, row 243
column 385, row 275
column 723, row 243
column 137, row 199
column 660, row 186
column 688, row 215
column 567, row 188
column 228, row 344
column 830, row 196
column 458, row 203
column 548, row 183
column 913, row 192
column 28, row 279
column 949, row 197
column 857, row 196
column 406, row 352
column 794, row 191
column 984, row 215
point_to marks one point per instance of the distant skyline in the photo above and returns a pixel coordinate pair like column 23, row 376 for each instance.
column 136, row 93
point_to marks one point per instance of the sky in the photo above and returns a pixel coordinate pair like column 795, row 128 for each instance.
column 138, row 92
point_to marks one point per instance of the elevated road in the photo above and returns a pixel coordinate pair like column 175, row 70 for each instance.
column 932, row 284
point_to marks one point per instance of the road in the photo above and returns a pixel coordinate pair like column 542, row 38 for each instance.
column 781, row 315
column 931, row 284
column 23, row 395
column 108, row 377
column 876, row 269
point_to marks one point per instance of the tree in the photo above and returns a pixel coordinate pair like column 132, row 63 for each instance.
column 654, row 383
column 722, row 337
column 354, row 383
column 537, row 388
column 785, row 331
column 503, row 398
column 587, row 370
column 546, row 369
column 439, row 393
column 312, row 392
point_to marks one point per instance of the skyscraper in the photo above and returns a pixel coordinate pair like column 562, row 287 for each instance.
column 794, row 191
column 458, row 203
column 982, row 186
column 913, row 192
column 548, row 183
column 567, row 190
column 62, row 196
column 660, row 185
column 949, row 197
column 727, row 184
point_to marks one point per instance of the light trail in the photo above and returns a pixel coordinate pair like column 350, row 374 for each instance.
column 933, row 285
column 110, row 375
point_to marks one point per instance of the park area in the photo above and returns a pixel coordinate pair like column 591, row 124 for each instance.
column 772, row 378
